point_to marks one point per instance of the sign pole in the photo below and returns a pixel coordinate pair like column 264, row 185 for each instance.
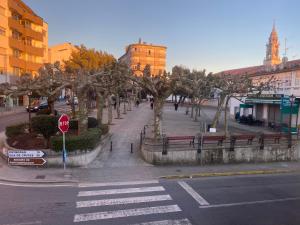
column 64, row 150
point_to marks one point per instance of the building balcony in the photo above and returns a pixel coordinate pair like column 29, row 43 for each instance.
column 18, row 44
column 25, row 14
column 28, row 32
column 25, row 65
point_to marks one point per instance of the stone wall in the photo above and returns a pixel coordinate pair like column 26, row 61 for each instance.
column 188, row 154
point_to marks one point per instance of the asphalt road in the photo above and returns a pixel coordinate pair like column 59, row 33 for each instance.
column 21, row 117
column 243, row 200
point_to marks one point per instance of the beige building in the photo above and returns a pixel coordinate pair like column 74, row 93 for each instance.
column 23, row 39
column 60, row 52
column 138, row 55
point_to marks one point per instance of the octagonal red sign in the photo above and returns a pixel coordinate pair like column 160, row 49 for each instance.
column 63, row 123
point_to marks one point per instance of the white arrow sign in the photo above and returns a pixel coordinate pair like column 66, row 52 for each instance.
column 25, row 154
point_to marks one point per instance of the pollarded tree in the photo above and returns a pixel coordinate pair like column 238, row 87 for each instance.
column 160, row 88
column 235, row 86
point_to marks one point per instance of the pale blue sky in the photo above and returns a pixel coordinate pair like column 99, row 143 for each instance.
column 202, row 34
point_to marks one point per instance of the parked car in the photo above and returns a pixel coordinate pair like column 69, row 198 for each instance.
column 36, row 106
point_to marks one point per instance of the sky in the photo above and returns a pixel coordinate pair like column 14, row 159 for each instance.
column 215, row 35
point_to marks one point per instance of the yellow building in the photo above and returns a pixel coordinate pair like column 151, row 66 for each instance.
column 23, row 39
column 60, row 53
column 138, row 55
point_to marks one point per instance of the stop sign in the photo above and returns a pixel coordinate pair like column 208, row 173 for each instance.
column 63, row 123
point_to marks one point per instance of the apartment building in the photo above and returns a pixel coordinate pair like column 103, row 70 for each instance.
column 138, row 55
column 23, row 39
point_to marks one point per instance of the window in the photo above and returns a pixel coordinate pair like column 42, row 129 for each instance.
column 135, row 49
column 2, row 11
column 2, row 31
column 16, row 16
column 27, row 24
column 16, row 53
column 17, row 71
column 149, row 52
column 16, row 34
column 297, row 79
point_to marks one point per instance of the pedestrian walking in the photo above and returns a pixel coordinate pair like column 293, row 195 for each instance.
column 151, row 105
column 137, row 103
column 176, row 106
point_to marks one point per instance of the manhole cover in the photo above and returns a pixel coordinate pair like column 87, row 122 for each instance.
column 40, row 177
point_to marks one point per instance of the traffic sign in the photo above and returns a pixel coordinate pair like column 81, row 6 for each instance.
column 25, row 154
column 63, row 123
column 26, row 161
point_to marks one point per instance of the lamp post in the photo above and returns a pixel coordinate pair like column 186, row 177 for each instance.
column 292, row 100
column 29, row 110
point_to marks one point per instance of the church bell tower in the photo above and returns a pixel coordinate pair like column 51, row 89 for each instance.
column 272, row 52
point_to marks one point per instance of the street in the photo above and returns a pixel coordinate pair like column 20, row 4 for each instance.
column 21, row 117
column 247, row 200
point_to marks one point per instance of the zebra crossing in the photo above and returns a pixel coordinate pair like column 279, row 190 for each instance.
column 101, row 202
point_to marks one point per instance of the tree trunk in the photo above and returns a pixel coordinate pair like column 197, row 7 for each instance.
column 83, row 112
column 218, row 113
column 118, row 107
column 196, row 113
column 99, row 105
column 124, row 106
column 225, row 116
column 109, row 110
column 157, row 117
column 72, row 102
column 129, row 103
column 51, row 101
column 192, row 109
column 187, row 109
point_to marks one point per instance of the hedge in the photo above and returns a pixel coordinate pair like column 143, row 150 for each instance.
column 45, row 125
column 92, row 123
column 14, row 130
column 85, row 141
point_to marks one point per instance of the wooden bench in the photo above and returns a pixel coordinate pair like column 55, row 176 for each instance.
column 181, row 138
column 247, row 137
column 210, row 138
column 275, row 137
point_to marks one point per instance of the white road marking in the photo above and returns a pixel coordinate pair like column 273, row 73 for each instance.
column 83, row 185
column 167, row 222
column 193, row 193
column 120, row 201
column 250, row 203
column 126, row 213
column 24, row 223
column 120, row 191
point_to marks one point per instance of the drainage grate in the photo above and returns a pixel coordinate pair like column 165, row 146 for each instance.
column 40, row 177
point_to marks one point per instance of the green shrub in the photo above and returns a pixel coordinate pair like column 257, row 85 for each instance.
column 45, row 125
column 14, row 130
column 104, row 129
column 85, row 141
column 92, row 122
column 73, row 125
column 44, row 112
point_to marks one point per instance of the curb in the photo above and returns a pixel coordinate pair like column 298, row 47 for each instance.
column 38, row 182
column 220, row 174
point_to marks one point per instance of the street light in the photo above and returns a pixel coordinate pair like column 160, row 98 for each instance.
column 29, row 110
column 292, row 100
